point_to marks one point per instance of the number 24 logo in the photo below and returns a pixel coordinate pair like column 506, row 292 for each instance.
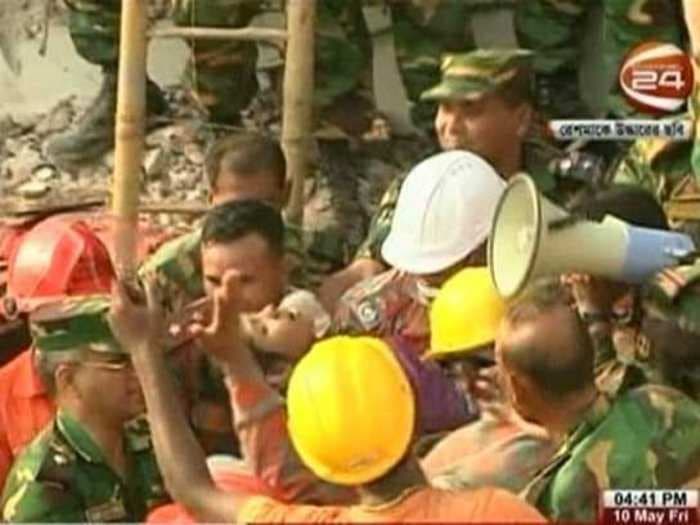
column 651, row 79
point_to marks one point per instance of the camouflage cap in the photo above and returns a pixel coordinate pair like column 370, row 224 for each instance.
column 674, row 294
column 469, row 76
column 73, row 323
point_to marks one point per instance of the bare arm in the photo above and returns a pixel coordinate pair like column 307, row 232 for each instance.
column 180, row 457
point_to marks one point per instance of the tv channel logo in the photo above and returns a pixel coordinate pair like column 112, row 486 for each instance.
column 656, row 78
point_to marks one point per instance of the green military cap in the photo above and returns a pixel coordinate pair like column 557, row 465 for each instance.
column 469, row 76
column 73, row 323
column 674, row 295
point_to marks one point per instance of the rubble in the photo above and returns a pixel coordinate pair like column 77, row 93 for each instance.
column 342, row 193
column 33, row 189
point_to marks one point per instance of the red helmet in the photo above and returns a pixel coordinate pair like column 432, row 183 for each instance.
column 58, row 257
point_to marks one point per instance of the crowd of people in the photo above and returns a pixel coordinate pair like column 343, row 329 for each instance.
column 222, row 387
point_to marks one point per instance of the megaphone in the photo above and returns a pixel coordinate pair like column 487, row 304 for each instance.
column 532, row 237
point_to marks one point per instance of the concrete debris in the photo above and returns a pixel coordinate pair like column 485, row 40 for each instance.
column 33, row 190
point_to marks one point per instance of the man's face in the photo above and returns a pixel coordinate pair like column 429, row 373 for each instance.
column 263, row 275
column 487, row 126
column 107, row 384
column 260, row 186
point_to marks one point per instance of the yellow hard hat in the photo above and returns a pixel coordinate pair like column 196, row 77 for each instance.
column 465, row 314
column 351, row 409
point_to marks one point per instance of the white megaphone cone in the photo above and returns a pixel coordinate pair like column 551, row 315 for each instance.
column 531, row 238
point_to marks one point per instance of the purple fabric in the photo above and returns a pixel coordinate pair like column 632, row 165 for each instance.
column 439, row 403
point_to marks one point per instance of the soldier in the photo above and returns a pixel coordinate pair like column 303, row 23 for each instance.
column 247, row 237
column 441, row 225
column 556, row 31
column 499, row 449
column 640, row 440
column 612, row 309
column 485, row 106
column 222, row 73
column 58, row 257
column 237, row 167
column 671, row 329
column 670, row 170
column 94, row 462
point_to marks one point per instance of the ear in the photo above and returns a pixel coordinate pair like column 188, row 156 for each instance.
column 64, row 377
column 524, row 115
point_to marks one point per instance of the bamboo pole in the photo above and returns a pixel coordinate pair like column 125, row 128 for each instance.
column 692, row 20
column 130, row 123
column 297, row 100
column 274, row 36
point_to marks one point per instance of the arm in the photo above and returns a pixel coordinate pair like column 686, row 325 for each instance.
column 181, row 459
column 334, row 286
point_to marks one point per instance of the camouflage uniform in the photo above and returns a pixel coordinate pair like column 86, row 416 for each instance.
column 63, row 475
column 673, row 295
column 177, row 266
column 222, row 73
column 390, row 304
column 495, row 451
column 553, row 29
column 485, row 70
column 645, row 439
column 669, row 170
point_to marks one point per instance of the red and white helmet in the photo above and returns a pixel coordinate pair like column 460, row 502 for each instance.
column 60, row 256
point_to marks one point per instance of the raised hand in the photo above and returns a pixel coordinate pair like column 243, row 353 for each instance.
column 222, row 336
column 135, row 324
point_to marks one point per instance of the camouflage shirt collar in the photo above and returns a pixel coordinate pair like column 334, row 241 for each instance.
column 78, row 437
column 591, row 419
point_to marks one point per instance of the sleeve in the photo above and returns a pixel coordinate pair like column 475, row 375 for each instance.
column 381, row 223
column 40, row 502
column 261, row 425
column 265, row 510
column 178, row 270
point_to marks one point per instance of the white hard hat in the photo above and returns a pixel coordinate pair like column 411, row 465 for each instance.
column 443, row 212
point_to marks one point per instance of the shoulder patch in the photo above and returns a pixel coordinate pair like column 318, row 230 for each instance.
column 368, row 313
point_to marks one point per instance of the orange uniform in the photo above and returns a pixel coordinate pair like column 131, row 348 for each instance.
column 25, row 408
column 423, row 504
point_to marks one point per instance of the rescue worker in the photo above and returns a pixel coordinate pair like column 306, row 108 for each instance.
column 499, row 449
column 58, row 257
column 360, row 444
column 669, row 328
column 238, row 167
column 442, row 221
column 642, row 439
column 611, row 309
column 94, row 461
column 485, row 105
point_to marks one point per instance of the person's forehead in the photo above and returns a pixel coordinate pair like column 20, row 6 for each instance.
column 248, row 252
column 470, row 104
